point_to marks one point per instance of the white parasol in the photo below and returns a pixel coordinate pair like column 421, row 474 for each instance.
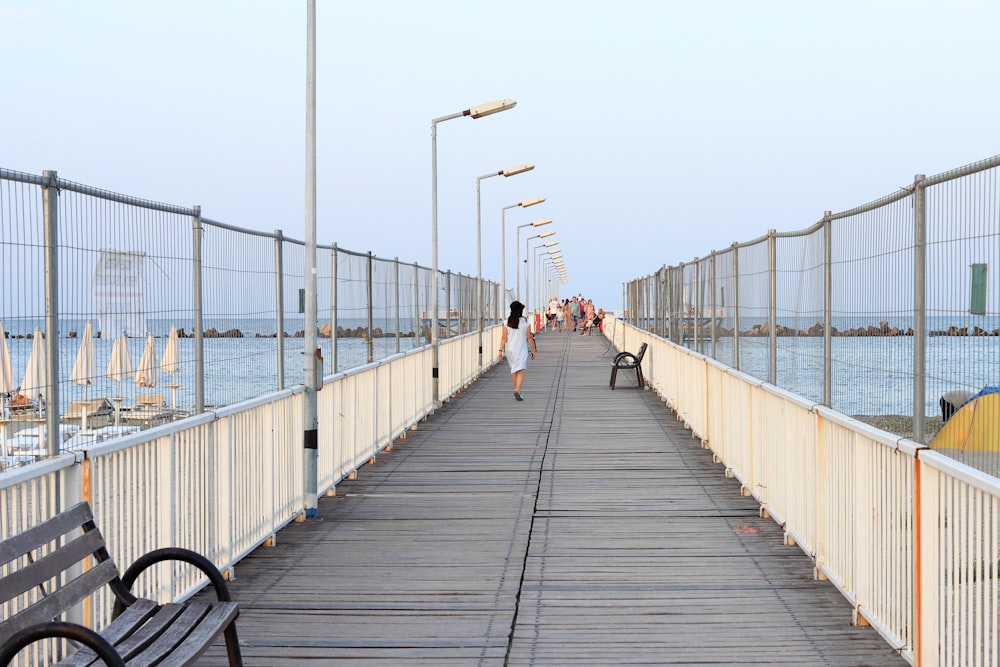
column 119, row 367
column 170, row 363
column 83, row 370
column 145, row 374
column 33, row 386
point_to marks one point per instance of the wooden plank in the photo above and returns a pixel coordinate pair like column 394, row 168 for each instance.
column 582, row 526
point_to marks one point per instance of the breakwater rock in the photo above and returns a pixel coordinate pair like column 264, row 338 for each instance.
column 883, row 328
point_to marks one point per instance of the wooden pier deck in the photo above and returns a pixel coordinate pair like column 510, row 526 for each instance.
column 582, row 526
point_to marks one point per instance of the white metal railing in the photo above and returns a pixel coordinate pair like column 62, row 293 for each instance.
column 224, row 482
column 909, row 536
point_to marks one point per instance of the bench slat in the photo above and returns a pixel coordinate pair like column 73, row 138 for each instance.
column 52, row 565
column 201, row 636
column 60, row 600
column 45, row 532
column 119, row 629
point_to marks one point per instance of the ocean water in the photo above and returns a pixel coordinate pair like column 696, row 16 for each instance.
column 871, row 375
column 236, row 369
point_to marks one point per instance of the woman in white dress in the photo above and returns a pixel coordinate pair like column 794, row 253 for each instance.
column 520, row 344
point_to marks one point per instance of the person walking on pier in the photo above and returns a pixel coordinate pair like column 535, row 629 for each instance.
column 520, row 344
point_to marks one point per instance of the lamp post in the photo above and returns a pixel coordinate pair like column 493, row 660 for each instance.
column 310, row 439
column 541, row 292
column 549, row 244
column 509, row 171
column 473, row 112
column 503, row 241
column 517, row 248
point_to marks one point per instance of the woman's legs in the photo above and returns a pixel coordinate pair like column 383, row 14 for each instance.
column 517, row 377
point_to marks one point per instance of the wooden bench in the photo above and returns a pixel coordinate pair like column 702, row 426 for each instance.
column 52, row 567
column 629, row 361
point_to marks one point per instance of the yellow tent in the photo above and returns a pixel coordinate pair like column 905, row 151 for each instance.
column 975, row 427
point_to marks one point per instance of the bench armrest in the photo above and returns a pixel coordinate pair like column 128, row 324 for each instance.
column 71, row 631
column 175, row 553
column 625, row 356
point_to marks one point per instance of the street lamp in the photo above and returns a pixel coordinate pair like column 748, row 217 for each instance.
column 509, row 171
column 517, row 247
column 541, row 261
column 549, row 244
column 473, row 112
column 503, row 241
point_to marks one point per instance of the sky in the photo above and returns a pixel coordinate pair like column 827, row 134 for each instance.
column 660, row 130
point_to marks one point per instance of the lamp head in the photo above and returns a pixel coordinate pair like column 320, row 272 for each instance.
column 488, row 108
column 544, row 234
column 519, row 169
column 539, row 223
column 531, row 202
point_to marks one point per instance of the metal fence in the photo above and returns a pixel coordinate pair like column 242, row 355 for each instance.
column 73, row 256
column 877, row 311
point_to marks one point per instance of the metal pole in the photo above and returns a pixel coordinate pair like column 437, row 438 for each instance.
column 772, row 308
column 310, row 439
column 416, row 306
column 199, row 325
column 50, row 211
column 736, row 307
column 279, row 301
column 827, row 310
column 919, row 307
column 503, row 254
column 333, row 309
column 395, row 263
column 697, row 312
column 370, row 337
column 479, row 273
column 712, row 321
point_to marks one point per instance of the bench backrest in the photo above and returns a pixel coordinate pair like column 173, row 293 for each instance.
column 642, row 351
column 40, row 578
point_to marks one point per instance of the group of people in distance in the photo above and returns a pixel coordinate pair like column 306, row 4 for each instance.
column 518, row 343
column 578, row 311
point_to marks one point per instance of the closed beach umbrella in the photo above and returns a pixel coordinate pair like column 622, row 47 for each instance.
column 83, row 369
column 145, row 374
column 33, row 384
column 170, row 363
column 6, row 380
column 120, row 365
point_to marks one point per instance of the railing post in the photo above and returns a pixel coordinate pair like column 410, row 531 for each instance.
column 711, row 285
column 772, row 308
column 919, row 307
column 447, row 306
column 370, row 339
column 333, row 309
column 696, row 313
column 827, row 310
column 199, row 325
column 279, row 301
column 395, row 266
column 736, row 306
column 416, row 306
column 50, row 211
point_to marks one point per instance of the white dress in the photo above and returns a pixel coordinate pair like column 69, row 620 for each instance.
column 517, row 346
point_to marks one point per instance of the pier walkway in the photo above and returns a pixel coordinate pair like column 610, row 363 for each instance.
column 582, row 526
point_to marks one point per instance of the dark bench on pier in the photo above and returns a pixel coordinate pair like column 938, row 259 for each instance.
column 628, row 361
column 65, row 558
